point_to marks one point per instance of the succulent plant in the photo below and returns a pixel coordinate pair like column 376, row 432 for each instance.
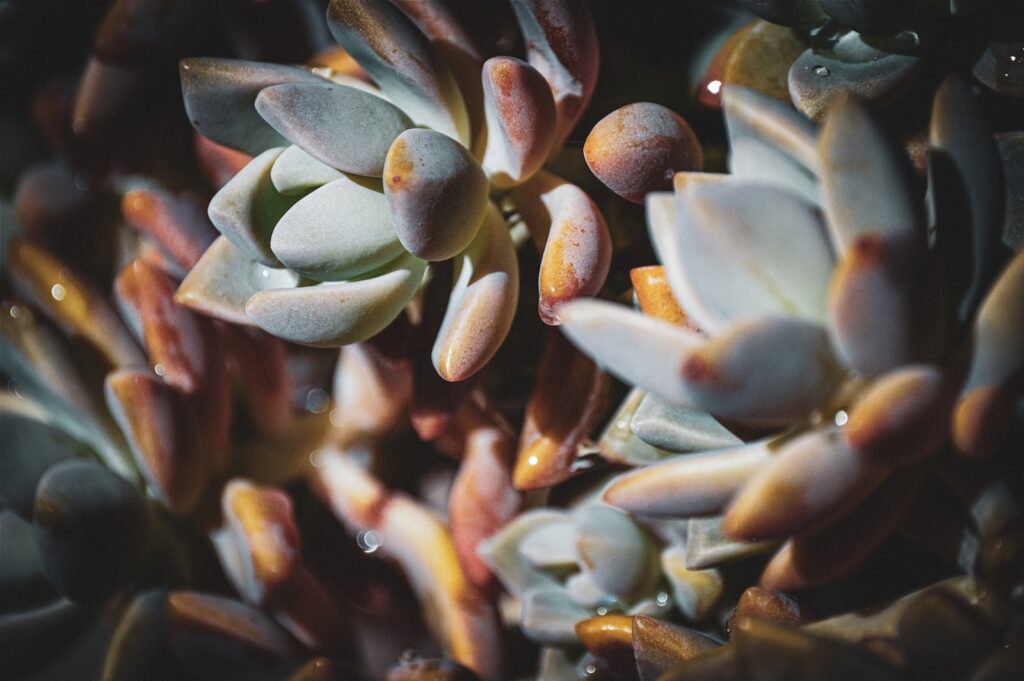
column 326, row 240
column 823, row 325
column 823, row 385
column 881, row 51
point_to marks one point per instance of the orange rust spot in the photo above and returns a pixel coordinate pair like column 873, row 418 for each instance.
column 696, row 369
column 869, row 248
column 398, row 164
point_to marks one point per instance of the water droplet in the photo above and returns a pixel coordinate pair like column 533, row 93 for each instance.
column 532, row 461
column 841, row 417
column 821, row 71
column 591, row 669
column 15, row 311
column 159, row 369
column 336, row 419
column 602, row 611
column 369, row 541
column 661, row 598
column 58, row 292
column 317, row 401
column 316, row 458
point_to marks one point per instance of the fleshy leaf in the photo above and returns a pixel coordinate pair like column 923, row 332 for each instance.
column 812, row 478
column 997, row 360
column 341, row 126
column 296, row 172
column 562, row 44
column 338, row 231
column 436, row 193
column 338, row 313
column 744, row 250
column 687, row 485
column 676, row 429
column 247, row 208
column 402, row 62
column 225, row 278
column 520, row 113
column 770, row 142
column 482, row 304
column 162, row 435
column 638, row 148
column 220, row 95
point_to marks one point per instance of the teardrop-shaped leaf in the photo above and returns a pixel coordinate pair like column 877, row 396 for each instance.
column 31, row 446
column 562, row 45
column 645, row 352
column 903, row 417
column 70, row 302
column 984, row 405
column 261, row 525
column 339, row 231
column 176, row 340
column 811, row 479
column 759, row 56
column 460, row 615
column 338, row 313
column 436, row 193
column 569, row 398
column 520, row 114
column 695, row 592
column 483, row 302
column 769, row 142
column 296, row 172
column 688, row 485
column 402, row 62
column 225, row 278
column 747, row 250
column 341, row 126
column 247, row 208
column 578, row 251
column 220, row 96
column 614, row 550
column 677, row 429
column 858, row 161
column 162, row 435
column 638, row 148
column 876, row 317
column 482, row 498
column 769, row 370
column 502, row 552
